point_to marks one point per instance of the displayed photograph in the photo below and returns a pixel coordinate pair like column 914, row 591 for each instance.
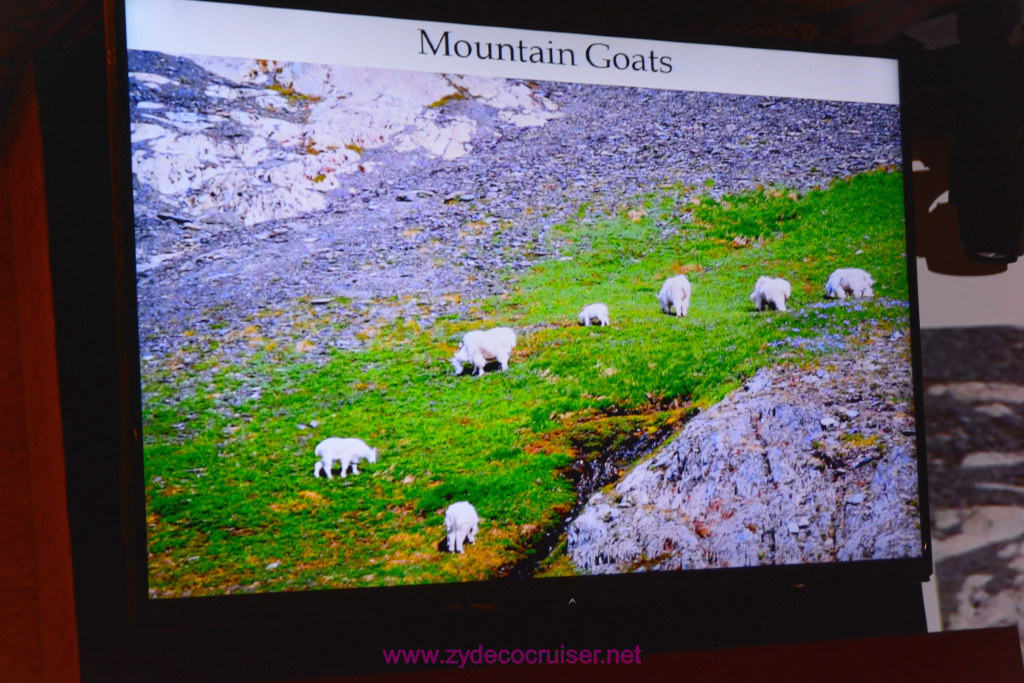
column 403, row 327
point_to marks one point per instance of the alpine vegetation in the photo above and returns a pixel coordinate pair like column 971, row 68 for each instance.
column 312, row 266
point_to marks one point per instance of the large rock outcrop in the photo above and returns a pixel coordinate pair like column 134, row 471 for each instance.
column 797, row 466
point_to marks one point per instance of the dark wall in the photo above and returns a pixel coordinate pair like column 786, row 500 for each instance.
column 38, row 638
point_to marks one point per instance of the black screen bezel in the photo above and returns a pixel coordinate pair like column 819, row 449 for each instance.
column 500, row 609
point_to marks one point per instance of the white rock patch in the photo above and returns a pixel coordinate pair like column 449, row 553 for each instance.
column 344, row 112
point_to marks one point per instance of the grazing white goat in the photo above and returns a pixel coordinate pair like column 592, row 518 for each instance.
column 346, row 451
column 771, row 292
column 461, row 523
column 592, row 312
column 675, row 293
column 853, row 281
column 479, row 347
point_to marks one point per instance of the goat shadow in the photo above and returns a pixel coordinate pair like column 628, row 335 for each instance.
column 469, row 370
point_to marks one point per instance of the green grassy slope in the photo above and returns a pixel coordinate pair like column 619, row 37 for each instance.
column 232, row 502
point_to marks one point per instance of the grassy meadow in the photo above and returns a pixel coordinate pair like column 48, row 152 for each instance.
column 231, row 499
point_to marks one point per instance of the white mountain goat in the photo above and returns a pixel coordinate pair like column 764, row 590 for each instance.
column 462, row 524
column 598, row 312
column 675, row 293
column 771, row 292
column 479, row 347
column 346, row 451
column 852, row 281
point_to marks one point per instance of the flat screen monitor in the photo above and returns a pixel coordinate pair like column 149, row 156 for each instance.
column 439, row 312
